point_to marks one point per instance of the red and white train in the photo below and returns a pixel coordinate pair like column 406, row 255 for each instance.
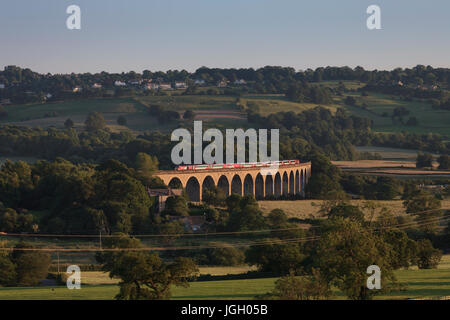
column 235, row 165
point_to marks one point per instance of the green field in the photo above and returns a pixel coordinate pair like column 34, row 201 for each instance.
column 223, row 110
column 430, row 120
column 421, row 284
column 17, row 113
column 273, row 104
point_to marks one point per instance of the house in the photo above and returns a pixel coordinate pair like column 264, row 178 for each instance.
column 165, row 86
column 118, row 83
column 222, row 84
column 135, row 82
column 162, row 195
column 191, row 223
column 96, row 86
column 77, row 89
column 180, row 85
column 240, row 82
column 5, row 101
column 151, row 86
column 48, row 96
column 199, row 82
column 2, row 86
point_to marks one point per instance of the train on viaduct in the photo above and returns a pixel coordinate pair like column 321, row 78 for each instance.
column 287, row 178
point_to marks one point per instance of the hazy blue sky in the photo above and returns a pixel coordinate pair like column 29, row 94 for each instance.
column 124, row 35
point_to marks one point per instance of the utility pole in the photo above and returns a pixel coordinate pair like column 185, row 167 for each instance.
column 100, row 239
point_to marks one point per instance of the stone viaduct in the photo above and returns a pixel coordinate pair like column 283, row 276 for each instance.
column 288, row 179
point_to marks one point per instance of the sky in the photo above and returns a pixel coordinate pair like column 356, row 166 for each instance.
column 160, row 35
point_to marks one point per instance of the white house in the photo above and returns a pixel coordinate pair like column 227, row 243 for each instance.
column 240, row 82
column 96, row 86
column 199, row 82
column 135, row 82
column 165, row 86
column 2, row 86
column 77, row 89
column 151, row 86
column 119, row 84
column 222, row 84
column 180, row 85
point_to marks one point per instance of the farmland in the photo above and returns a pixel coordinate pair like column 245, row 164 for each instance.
column 430, row 120
column 304, row 209
column 398, row 169
column 221, row 108
column 421, row 284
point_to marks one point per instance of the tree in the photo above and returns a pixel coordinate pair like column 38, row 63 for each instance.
column 404, row 250
column 3, row 112
column 386, row 188
column 426, row 207
column 346, row 210
column 325, row 177
column 8, row 273
column 428, row 257
column 146, row 166
column 176, row 206
column 69, row 123
column 122, row 121
column 311, row 287
column 344, row 252
column 246, row 215
column 214, row 197
column 277, row 258
column 31, row 266
column 94, row 121
column 143, row 275
column 188, row 115
column 444, row 162
column 225, row 255
column 277, row 218
column 350, row 101
column 412, row 121
column 424, row 160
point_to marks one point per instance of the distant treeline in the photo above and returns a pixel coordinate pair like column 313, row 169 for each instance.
column 318, row 129
column 24, row 85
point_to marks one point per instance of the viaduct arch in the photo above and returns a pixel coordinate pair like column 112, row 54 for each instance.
column 288, row 179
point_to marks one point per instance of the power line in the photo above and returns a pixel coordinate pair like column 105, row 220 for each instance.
column 37, row 235
column 242, row 244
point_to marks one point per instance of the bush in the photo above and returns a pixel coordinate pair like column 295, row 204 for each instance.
column 424, row 160
column 121, row 120
column 428, row 256
column 312, row 287
column 226, row 256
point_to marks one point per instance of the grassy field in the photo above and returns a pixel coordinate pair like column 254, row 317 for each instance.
column 430, row 120
column 18, row 113
column 392, row 153
column 273, row 104
column 218, row 110
column 303, row 209
column 421, row 284
column 398, row 169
